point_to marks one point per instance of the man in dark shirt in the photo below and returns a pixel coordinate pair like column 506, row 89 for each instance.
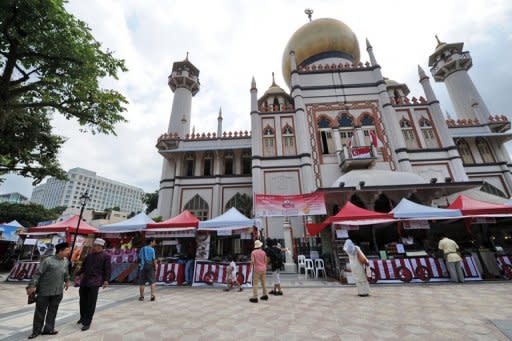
column 49, row 280
column 94, row 273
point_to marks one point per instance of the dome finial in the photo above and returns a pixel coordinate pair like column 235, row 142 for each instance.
column 309, row 13
column 273, row 80
column 186, row 57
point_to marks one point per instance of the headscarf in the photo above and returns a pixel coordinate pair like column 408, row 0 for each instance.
column 349, row 247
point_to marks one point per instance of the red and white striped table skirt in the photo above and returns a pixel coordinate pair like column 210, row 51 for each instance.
column 23, row 271
column 388, row 270
column 170, row 274
column 214, row 273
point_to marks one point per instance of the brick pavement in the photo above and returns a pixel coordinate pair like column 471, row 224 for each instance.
column 319, row 312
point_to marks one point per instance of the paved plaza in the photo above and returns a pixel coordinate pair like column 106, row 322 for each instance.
column 311, row 310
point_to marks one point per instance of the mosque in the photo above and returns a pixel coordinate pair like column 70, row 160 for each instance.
column 342, row 128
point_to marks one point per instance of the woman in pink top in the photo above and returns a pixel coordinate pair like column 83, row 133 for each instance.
column 259, row 266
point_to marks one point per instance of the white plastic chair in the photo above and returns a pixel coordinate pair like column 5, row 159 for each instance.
column 301, row 263
column 309, row 268
column 319, row 266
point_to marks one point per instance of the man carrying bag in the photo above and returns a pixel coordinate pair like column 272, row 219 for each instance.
column 50, row 279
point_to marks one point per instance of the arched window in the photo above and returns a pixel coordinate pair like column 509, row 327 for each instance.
column 189, row 164
column 198, row 207
column 428, row 133
column 367, row 125
column 326, row 139
column 208, row 164
column 408, row 134
column 346, row 128
column 276, row 104
column 485, row 150
column 242, row 202
column 269, row 141
column 246, row 163
column 465, row 152
column 288, row 136
column 228, row 163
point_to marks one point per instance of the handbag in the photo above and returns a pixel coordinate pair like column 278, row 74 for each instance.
column 361, row 257
column 32, row 298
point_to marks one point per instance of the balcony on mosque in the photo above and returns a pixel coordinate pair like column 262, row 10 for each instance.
column 360, row 152
column 172, row 142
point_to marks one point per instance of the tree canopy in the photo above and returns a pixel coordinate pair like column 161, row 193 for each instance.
column 28, row 214
column 50, row 63
column 151, row 201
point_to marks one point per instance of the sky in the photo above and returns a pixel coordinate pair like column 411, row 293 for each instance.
column 232, row 41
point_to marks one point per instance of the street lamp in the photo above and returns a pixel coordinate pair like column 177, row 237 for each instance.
column 84, row 199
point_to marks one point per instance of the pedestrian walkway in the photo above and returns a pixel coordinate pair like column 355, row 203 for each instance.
column 398, row 312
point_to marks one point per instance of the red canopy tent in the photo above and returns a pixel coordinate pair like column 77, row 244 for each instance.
column 68, row 226
column 182, row 222
column 351, row 213
column 472, row 207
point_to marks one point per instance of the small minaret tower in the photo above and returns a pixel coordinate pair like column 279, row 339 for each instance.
column 184, row 82
column 219, row 123
column 450, row 64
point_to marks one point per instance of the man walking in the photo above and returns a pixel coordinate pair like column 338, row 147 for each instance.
column 452, row 258
column 48, row 281
column 94, row 273
column 147, row 268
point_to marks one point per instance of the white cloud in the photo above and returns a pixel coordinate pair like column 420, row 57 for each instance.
column 230, row 42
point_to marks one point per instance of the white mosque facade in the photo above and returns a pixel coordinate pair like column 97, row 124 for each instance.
column 342, row 128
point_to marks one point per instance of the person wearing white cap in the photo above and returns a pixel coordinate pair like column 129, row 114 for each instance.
column 94, row 273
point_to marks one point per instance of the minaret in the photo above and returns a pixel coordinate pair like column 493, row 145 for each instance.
column 369, row 48
column 450, row 64
column 440, row 124
column 184, row 82
column 219, row 123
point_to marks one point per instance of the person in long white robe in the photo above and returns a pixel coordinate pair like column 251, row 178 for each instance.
column 357, row 268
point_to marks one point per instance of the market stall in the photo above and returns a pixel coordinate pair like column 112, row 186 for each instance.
column 176, row 248
column 123, row 242
column 492, row 235
column 228, row 235
column 39, row 242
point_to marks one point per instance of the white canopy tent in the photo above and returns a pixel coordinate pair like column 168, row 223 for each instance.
column 407, row 209
column 230, row 220
column 134, row 224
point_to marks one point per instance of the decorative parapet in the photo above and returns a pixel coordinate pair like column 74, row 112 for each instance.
column 496, row 119
column 276, row 108
column 408, row 102
column 333, row 67
column 203, row 136
column 462, row 123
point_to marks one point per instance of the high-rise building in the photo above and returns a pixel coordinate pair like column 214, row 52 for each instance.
column 104, row 193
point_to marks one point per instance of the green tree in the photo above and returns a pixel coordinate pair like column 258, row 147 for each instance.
column 151, row 201
column 27, row 215
column 131, row 215
column 50, row 63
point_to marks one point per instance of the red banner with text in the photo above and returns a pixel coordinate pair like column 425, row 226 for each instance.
column 289, row 205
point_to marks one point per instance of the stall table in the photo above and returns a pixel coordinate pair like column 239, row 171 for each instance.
column 419, row 269
column 214, row 273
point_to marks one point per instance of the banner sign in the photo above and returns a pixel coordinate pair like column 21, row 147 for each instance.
column 203, row 245
column 361, row 152
column 289, row 205
column 416, row 224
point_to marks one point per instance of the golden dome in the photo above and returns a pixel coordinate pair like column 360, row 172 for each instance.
column 274, row 89
column 317, row 37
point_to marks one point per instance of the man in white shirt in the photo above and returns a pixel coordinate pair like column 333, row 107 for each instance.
column 452, row 258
